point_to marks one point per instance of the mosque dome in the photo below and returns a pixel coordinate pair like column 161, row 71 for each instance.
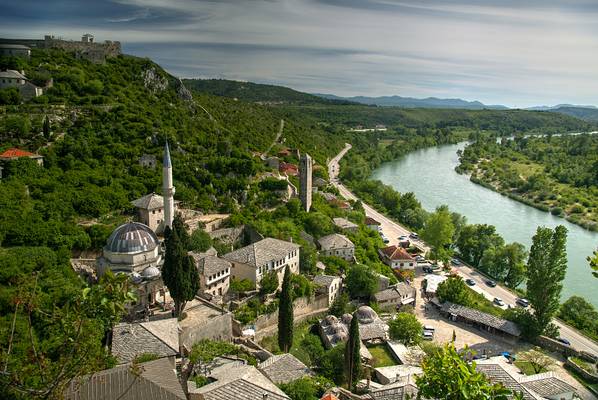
column 132, row 237
column 150, row 273
column 339, row 337
column 365, row 315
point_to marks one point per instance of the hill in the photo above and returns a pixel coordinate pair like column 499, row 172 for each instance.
column 585, row 113
column 410, row 102
column 255, row 92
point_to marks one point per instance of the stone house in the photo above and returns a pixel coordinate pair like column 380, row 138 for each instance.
column 397, row 258
column 15, row 154
column 148, row 161
column 396, row 296
column 337, row 245
column 150, row 210
column 254, row 261
column 160, row 337
column 345, row 224
column 14, row 50
column 373, row 224
column 15, row 79
column 284, row 368
column 214, row 274
column 329, row 285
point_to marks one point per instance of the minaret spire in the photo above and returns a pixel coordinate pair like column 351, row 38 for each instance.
column 167, row 187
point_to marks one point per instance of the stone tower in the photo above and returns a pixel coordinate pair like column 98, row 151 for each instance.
column 305, row 171
column 167, row 188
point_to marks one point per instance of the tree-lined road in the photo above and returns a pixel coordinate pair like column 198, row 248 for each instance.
column 393, row 230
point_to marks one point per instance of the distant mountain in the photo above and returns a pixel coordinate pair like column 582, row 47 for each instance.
column 256, row 92
column 550, row 108
column 589, row 113
column 410, row 102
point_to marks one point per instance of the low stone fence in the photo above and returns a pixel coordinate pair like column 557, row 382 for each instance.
column 587, row 375
column 566, row 350
column 301, row 307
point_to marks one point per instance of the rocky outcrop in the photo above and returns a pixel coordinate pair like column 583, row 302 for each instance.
column 182, row 91
column 154, row 81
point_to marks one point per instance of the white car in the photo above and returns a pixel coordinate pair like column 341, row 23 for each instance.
column 498, row 301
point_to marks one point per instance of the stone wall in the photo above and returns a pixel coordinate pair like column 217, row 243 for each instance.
column 93, row 51
column 301, row 307
column 585, row 374
column 215, row 328
column 554, row 345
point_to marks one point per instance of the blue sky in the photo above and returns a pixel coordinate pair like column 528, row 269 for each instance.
column 517, row 53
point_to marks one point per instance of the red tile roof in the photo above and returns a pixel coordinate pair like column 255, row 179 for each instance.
column 15, row 153
column 287, row 168
column 396, row 253
column 371, row 221
column 329, row 396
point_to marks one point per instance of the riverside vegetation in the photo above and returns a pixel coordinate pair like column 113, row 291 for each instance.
column 558, row 174
column 94, row 125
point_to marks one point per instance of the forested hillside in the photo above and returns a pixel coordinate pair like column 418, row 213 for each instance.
column 256, row 92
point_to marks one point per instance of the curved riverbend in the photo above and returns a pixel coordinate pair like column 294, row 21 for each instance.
column 430, row 174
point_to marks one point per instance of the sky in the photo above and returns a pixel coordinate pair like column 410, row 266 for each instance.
column 513, row 52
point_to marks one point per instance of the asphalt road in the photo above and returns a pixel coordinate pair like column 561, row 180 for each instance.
column 393, row 230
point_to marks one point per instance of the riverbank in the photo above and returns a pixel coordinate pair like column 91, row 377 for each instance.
column 553, row 174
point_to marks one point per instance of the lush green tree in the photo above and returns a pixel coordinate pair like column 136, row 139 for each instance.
column 438, row 232
column 46, row 127
column 181, row 229
column 546, row 270
column 593, row 260
column 514, row 255
column 308, row 258
column 285, row 313
column 537, row 359
column 406, row 329
column 306, row 388
column 301, row 286
column 352, row 355
column 340, row 305
column 361, row 281
column 578, row 312
column 447, row 376
column 268, row 283
column 200, row 240
column 454, row 290
column 241, row 285
column 179, row 271
column 475, row 240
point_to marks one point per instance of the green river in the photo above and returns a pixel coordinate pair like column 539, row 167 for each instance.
column 430, row 174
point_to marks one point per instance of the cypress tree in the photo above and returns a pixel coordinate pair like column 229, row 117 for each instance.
column 179, row 272
column 46, row 128
column 285, row 314
column 352, row 355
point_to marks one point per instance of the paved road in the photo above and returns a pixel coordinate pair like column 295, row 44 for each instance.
column 393, row 230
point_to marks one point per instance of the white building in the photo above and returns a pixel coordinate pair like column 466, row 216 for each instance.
column 397, row 257
column 254, row 261
column 337, row 245
column 345, row 224
column 330, row 285
column 214, row 274
column 396, row 296
column 15, row 79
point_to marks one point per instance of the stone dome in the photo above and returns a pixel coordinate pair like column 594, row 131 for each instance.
column 330, row 320
column 365, row 315
column 132, row 237
column 339, row 337
column 346, row 318
column 150, row 273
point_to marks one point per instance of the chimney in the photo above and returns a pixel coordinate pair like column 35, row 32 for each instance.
column 265, row 396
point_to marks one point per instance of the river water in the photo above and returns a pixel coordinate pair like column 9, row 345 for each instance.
column 430, row 174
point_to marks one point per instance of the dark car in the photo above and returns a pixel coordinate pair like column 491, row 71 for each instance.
column 563, row 341
column 490, row 283
column 522, row 302
column 470, row 282
column 456, row 262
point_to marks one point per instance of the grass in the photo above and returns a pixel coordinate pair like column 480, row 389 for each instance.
column 479, row 302
column 382, row 356
column 584, row 364
column 301, row 330
column 527, row 368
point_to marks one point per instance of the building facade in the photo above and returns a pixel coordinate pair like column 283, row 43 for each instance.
column 397, row 258
column 337, row 245
column 254, row 261
column 214, row 274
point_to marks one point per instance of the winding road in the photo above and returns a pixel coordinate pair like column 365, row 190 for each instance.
column 393, row 230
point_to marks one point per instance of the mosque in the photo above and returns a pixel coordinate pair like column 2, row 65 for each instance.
column 134, row 247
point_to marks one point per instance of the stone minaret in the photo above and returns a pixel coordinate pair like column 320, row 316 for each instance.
column 167, row 188
column 305, row 171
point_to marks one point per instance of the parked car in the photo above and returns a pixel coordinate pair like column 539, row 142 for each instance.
column 430, row 268
column 419, row 258
column 456, row 262
column 384, row 238
column 429, row 328
column 403, row 238
column 470, row 282
column 490, row 283
column 522, row 302
column 428, row 335
column 414, row 235
column 563, row 341
column 498, row 301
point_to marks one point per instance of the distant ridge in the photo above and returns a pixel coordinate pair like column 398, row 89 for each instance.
column 410, row 102
column 551, row 108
